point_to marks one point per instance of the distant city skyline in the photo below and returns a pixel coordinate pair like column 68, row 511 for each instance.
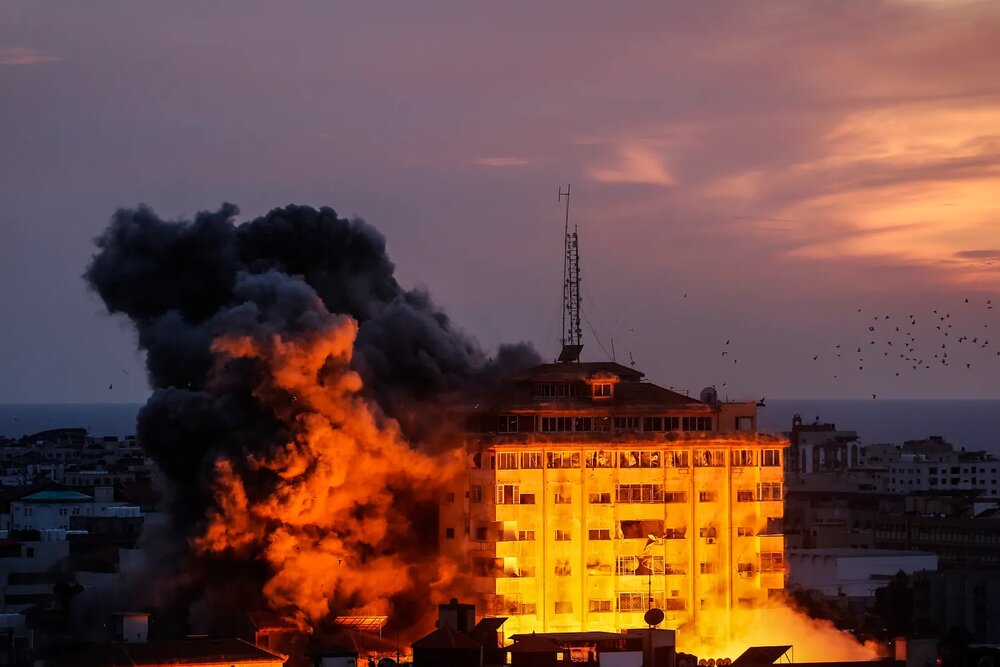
column 751, row 173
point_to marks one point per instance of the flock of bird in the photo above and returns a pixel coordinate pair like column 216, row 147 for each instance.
column 957, row 337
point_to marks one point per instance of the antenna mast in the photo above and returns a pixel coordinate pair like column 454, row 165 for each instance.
column 571, row 330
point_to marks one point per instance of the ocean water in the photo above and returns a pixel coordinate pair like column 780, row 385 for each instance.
column 17, row 420
column 973, row 424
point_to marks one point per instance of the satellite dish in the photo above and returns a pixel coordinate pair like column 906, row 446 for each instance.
column 653, row 617
column 709, row 395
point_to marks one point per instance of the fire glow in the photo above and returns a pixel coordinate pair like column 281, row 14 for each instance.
column 325, row 526
column 297, row 416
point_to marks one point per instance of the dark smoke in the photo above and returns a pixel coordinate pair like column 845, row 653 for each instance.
column 185, row 283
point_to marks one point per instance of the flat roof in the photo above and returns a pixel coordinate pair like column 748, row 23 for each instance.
column 57, row 496
column 594, row 636
column 848, row 552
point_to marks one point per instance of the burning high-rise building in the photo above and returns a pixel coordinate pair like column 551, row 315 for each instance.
column 591, row 496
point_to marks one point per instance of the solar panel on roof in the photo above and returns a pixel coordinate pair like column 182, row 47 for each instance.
column 761, row 655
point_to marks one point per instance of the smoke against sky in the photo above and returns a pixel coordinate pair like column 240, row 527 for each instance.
column 298, row 406
column 782, row 164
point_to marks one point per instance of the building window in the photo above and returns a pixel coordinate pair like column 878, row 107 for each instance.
column 600, row 498
column 527, row 499
column 599, row 534
column 29, row 552
column 525, row 536
column 632, row 602
column 675, row 497
column 674, row 533
column 742, row 457
column 511, row 605
column 531, row 460
column 508, row 494
column 562, row 460
column 476, row 493
column 481, row 533
column 626, row 565
column 708, row 496
column 769, row 490
column 708, row 532
column 744, row 496
column 709, row 458
column 563, row 568
column 583, row 424
column 696, row 423
column 707, row 568
column 676, row 458
column 772, row 561
column 603, row 389
column 601, row 459
column 558, row 389
column 564, row 607
column 602, row 424
column 563, row 535
column 770, row 458
column 507, row 424
column 63, row 512
column 449, row 533
column 639, row 493
column 744, row 423
column 563, row 497
column 626, row 423
column 599, row 606
column 652, row 423
column 557, row 424
column 639, row 459
column 506, row 460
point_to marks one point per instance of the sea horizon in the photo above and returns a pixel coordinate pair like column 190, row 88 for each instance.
column 970, row 423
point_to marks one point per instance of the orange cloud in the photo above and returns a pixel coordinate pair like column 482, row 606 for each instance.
column 21, row 55
column 635, row 164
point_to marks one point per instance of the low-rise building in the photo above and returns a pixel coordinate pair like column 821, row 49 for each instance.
column 852, row 573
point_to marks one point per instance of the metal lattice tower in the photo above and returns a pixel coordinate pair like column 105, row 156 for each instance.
column 571, row 329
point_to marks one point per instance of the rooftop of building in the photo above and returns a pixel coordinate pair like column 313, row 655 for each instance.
column 57, row 496
column 848, row 552
column 598, row 440
column 178, row 652
column 582, row 370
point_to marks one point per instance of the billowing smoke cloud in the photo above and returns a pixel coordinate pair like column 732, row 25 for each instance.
column 297, row 409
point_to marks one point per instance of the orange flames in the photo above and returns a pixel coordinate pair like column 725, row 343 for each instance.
column 779, row 623
column 330, row 525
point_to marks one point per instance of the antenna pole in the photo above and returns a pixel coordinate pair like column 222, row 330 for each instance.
column 565, row 295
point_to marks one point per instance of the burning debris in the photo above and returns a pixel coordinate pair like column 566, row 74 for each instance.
column 296, row 412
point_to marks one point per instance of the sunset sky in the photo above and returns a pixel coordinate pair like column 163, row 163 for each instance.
column 747, row 171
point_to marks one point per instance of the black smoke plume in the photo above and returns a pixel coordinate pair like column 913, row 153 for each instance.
column 184, row 284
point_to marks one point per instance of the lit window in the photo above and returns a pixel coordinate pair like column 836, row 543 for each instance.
column 639, row 459
column 769, row 491
column 531, row 460
column 507, row 460
column 600, row 459
column 562, row 460
column 603, row 389
column 508, row 494
column 770, row 457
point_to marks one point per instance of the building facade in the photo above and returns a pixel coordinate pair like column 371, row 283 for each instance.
column 592, row 495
